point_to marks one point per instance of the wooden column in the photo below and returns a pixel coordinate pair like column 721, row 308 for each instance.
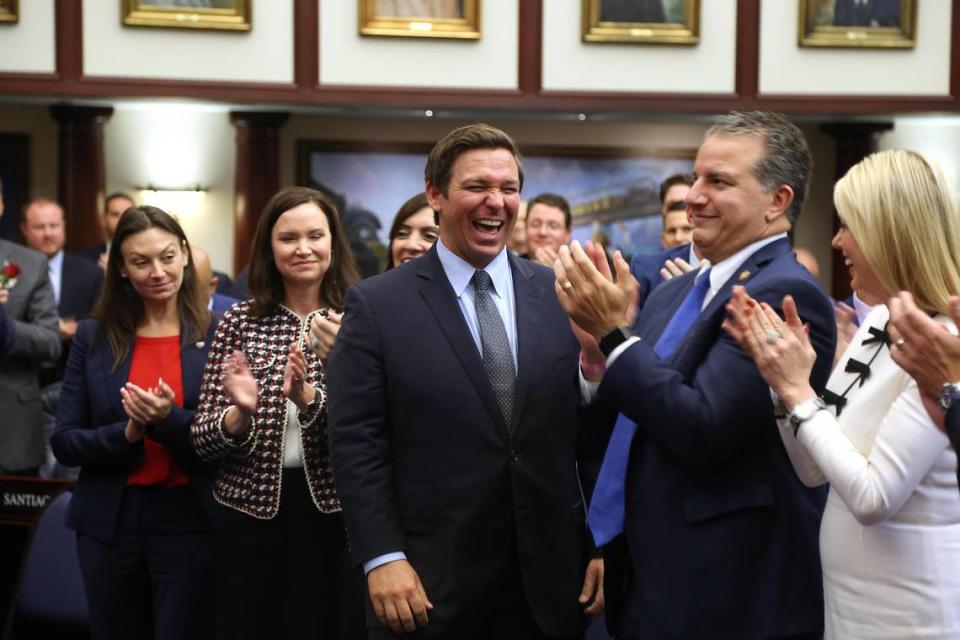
column 80, row 171
column 258, row 174
column 855, row 141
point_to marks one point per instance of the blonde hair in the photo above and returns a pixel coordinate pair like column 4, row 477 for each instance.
column 905, row 218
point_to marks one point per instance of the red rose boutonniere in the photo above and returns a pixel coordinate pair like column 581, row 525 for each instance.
column 9, row 274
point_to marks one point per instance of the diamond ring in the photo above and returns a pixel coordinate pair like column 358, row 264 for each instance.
column 568, row 285
column 772, row 336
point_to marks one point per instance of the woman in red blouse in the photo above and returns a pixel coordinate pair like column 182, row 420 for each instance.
column 142, row 507
column 284, row 570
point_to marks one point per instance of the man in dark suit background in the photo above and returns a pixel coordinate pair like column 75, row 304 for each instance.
column 696, row 485
column 454, row 428
column 31, row 308
column 113, row 207
column 675, row 239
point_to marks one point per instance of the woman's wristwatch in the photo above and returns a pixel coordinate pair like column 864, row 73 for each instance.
column 803, row 411
column 949, row 394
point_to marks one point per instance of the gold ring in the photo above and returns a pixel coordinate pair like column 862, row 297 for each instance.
column 568, row 285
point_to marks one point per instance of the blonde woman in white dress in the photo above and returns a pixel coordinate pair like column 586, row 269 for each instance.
column 890, row 536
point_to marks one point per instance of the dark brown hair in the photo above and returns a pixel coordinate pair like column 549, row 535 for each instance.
column 407, row 209
column 675, row 179
column 120, row 308
column 552, row 200
column 472, row 136
column 265, row 282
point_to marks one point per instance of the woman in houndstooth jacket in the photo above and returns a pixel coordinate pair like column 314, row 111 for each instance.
column 283, row 562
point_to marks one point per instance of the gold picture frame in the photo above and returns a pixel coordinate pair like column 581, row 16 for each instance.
column 451, row 19
column 874, row 24
column 670, row 22
column 221, row 15
column 9, row 11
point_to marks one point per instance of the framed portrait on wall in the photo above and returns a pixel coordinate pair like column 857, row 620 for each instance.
column 613, row 191
column 226, row 15
column 456, row 19
column 879, row 24
column 9, row 11
column 642, row 21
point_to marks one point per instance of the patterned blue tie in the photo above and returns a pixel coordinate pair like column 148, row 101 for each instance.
column 607, row 506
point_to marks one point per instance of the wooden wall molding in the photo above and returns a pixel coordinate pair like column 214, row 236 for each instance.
column 69, row 81
column 81, row 172
column 257, row 174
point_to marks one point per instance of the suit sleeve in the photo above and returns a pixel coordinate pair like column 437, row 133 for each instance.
column 38, row 334
column 875, row 486
column 708, row 420
column 7, row 333
column 358, row 432
column 77, row 441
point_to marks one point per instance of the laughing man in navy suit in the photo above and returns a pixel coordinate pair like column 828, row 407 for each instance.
column 454, row 428
column 708, row 531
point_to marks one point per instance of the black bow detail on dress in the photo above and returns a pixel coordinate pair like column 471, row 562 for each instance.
column 838, row 401
column 862, row 369
column 876, row 335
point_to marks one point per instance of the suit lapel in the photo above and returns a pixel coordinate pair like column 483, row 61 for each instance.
column 113, row 381
column 528, row 297
column 193, row 356
column 440, row 299
column 707, row 321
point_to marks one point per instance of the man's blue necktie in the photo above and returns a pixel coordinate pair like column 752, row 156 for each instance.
column 607, row 507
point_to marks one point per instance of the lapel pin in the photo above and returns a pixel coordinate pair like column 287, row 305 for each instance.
column 200, row 344
column 743, row 276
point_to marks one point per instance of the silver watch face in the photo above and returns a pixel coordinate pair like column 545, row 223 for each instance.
column 948, row 395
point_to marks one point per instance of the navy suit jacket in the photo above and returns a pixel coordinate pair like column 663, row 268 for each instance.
column 422, row 457
column 222, row 302
column 646, row 269
column 952, row 422
column 91, row 423
column 722, row 536
column 80, row 283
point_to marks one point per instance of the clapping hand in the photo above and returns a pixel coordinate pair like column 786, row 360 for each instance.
column 294, row 379
column 781, row 349
column 588, row 292
column 323, row 333
column 241, row 388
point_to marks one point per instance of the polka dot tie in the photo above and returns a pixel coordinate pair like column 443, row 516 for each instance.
column 497, row 357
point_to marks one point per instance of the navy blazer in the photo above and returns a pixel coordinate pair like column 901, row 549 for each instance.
column 645, row 267
column 421, row 453
column 723, row 537
column 90, row 427
column 80, row 283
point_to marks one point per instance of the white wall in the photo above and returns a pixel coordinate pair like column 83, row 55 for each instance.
column 786, row 68
column 938, row 138
column 572, row 65
column 264, row 54
column 28, row 45
column 346, row 58
column 178, row 145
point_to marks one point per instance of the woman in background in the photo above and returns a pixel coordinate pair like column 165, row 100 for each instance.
column 413, row 232
column 284, row 570
column 142, row 507
column 890, row 536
